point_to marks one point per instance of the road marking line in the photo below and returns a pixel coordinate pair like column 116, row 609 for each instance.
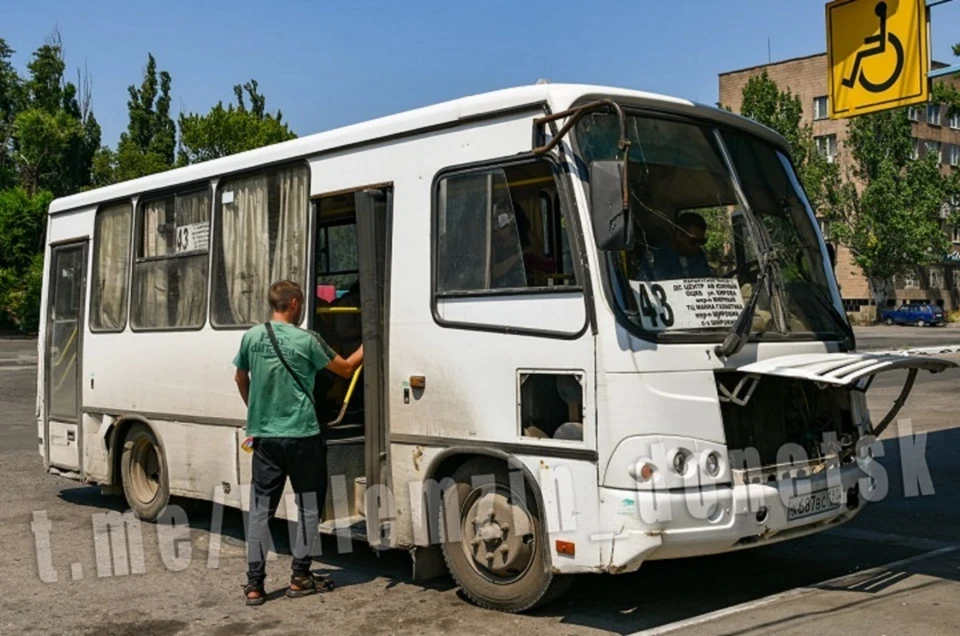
column 889, row 539
column 794, row 593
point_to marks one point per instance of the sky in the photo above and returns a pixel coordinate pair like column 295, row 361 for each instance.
column 331, row 63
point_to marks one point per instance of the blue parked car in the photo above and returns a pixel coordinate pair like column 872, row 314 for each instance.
column 914, row 314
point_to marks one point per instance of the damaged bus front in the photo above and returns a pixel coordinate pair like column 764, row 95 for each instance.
column 733, row 409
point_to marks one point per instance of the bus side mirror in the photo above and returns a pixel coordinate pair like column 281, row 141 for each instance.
column 612, row 228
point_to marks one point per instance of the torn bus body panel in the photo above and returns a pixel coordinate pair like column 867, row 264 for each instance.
column 774, row 409
column 842, row 369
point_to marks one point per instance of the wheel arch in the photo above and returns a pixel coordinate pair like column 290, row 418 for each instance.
column 447, row 462
column 115, row 436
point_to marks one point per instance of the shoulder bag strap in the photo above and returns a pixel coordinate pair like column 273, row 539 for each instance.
column 286, row 365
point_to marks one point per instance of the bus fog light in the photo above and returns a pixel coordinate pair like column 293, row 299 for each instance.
column 712, row 464
column 680, row 459
column 643, row 472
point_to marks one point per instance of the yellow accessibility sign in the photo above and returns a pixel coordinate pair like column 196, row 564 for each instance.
column 878, row 56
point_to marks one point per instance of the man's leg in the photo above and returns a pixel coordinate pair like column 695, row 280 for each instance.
column 269, row 477
column 308, row 477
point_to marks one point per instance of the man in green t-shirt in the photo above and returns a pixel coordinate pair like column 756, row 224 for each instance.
column 286, row 436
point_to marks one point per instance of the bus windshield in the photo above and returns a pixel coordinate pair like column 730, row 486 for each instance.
column 712, row 208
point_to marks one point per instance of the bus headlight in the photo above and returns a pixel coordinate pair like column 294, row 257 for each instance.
column 681, row 459
column 711, row 464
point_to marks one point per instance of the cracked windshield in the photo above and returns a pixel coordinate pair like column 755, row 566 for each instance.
column 711, row 210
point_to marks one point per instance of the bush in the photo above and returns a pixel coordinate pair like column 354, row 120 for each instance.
column 20, row 296
column 954, row 316
column 23, row 225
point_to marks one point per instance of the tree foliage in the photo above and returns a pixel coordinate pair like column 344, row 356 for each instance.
column 148, row 145
column 54, row 133
column 781, row 110
column 893, row 225
column 50, row 146
column 48, row 138
column 225, row 131
column 23, row 222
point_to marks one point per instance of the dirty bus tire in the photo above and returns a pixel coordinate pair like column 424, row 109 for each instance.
column 496, row 560
column 143, row 471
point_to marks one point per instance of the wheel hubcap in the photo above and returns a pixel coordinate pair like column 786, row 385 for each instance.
column 146, row 470
column 497, row 535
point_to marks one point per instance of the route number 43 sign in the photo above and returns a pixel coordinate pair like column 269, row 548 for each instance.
column 688, row 303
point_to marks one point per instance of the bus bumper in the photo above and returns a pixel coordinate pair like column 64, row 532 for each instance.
column 650, row 525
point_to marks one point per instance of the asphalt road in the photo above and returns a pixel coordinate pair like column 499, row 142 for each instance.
column 904, row 337
column 181, row 592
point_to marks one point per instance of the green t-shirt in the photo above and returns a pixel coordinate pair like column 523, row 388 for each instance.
column 276, row 406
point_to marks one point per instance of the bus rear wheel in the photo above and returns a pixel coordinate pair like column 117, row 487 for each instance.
column 494, row 548
column 143, row 472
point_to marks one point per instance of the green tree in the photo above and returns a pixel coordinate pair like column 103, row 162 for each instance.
column 23, row 222
column 781, row 110
column 149, row 142
column 11, row 102
column 55, row 134
column 893, row 224
column 225, row 131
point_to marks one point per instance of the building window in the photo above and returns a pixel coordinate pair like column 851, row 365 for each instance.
column 170, row 273
column 910, row 279
column 111, row 267
column 954, row 158
column 955, row 234
column 490, row 234
column 933, row 114
column 935, row 277
column 915, row 151
column 913, row 112
column 821, row 107
column 827, row 145
column 261, row 238
column 955, row 121
column 935, row 148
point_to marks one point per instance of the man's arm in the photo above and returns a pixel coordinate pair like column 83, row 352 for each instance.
column 345, row 368
column 242, row 378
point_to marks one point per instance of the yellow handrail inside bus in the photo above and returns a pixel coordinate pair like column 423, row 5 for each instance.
column 346, row 398
column 338, row 310
column 66, row 347
column 63, row 376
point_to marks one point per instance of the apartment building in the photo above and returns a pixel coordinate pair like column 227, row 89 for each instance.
column 933, row 132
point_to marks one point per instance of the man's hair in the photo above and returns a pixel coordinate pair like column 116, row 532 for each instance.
column 691, row 219
column 282, row 294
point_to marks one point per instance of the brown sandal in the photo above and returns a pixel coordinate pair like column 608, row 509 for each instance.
column 307, row 584
column 257, row 589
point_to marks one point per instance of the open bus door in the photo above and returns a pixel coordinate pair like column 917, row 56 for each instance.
column 63, row 355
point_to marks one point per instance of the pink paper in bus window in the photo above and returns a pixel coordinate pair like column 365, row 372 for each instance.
column 327, row 292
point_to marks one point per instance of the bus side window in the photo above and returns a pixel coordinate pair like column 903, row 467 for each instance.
column 497, row 229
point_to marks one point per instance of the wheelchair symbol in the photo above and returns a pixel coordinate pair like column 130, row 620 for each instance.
column 878, row 45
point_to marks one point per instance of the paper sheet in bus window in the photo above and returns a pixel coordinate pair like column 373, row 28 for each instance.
column 688, row 303
column 193, row 237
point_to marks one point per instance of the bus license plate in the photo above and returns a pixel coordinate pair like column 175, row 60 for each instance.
column 814, row 503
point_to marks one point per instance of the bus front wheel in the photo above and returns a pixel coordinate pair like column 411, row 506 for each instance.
column 493, row 540
column 143, row 472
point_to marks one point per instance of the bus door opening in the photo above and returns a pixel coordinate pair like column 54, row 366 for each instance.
column 351, row 243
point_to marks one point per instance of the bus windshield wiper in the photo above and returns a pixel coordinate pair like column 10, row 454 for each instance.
column 740, row 332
